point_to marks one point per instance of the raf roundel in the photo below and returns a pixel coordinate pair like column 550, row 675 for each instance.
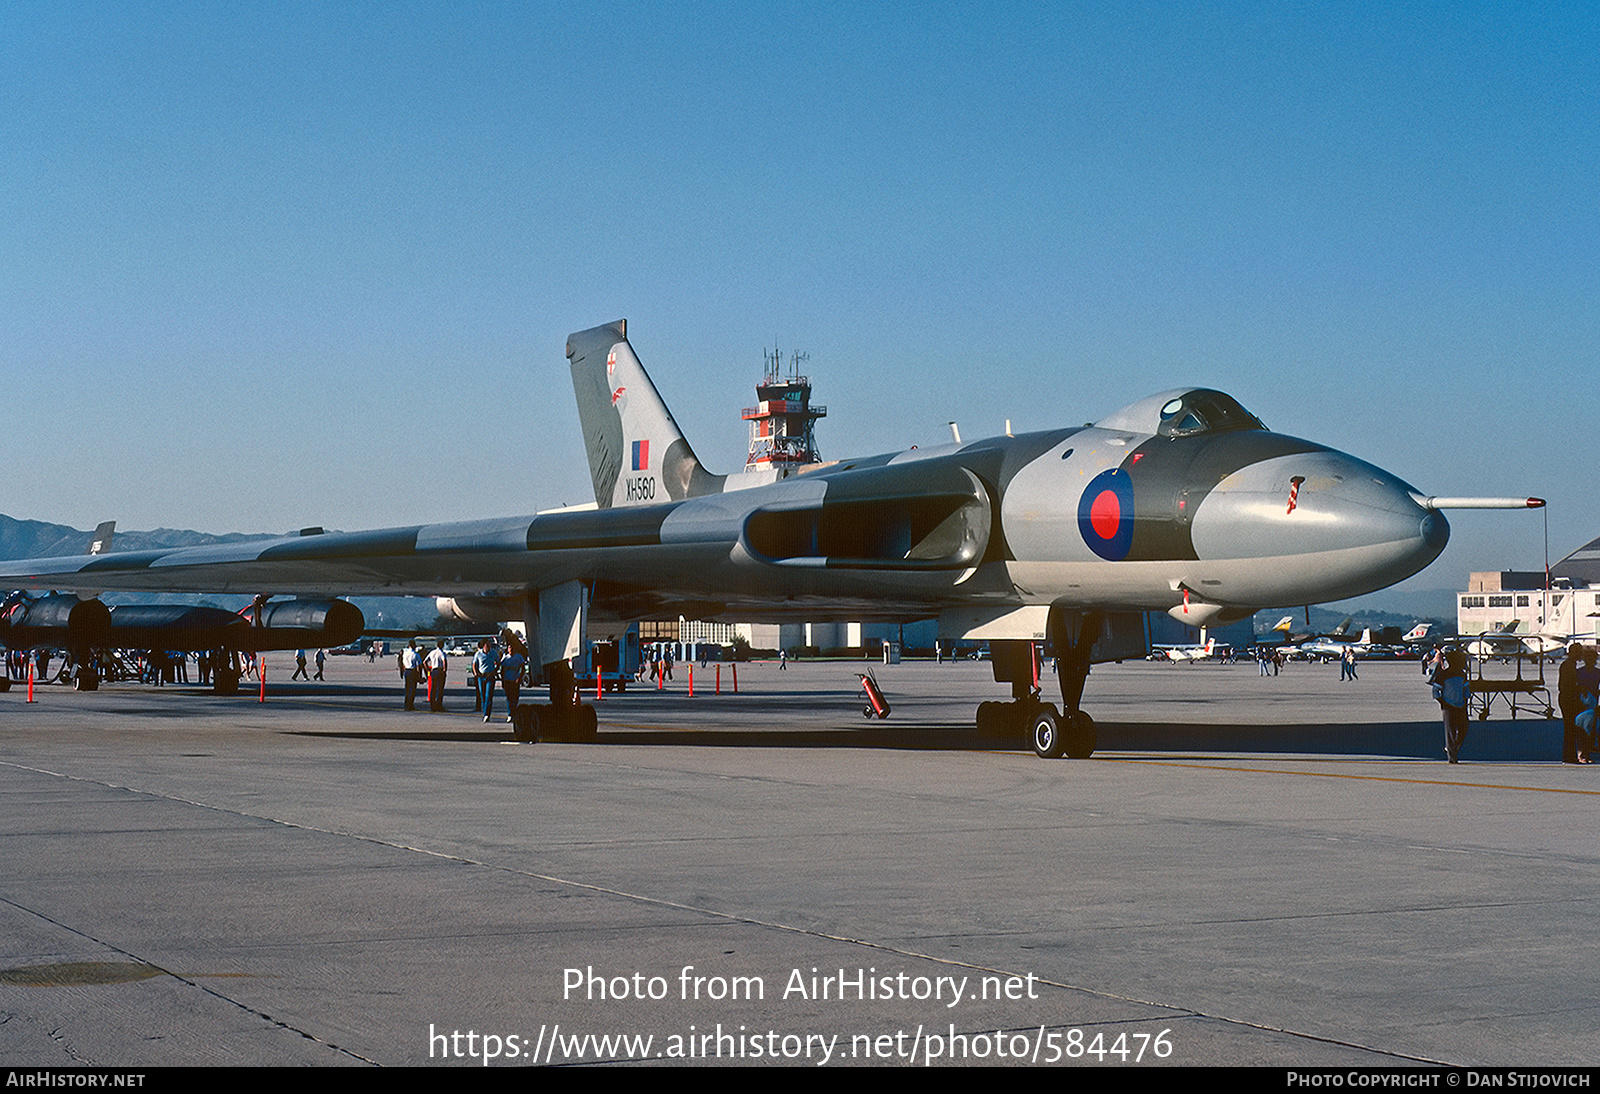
column 1105, row 514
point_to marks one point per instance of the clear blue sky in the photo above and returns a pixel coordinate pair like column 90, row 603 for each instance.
column 269, row 265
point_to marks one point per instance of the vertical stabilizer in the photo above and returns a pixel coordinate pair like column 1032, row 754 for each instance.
column 100, row 542
column 637, row 454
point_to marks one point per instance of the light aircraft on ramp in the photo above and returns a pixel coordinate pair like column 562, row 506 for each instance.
column 1182, row 502
column 1201, row 652
column 1291, row 638
column 1505, row 642
column 1333, row 648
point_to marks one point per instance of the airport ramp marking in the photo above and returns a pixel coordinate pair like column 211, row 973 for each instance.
column 1348, row 775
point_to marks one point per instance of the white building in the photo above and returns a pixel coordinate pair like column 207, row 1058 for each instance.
column 1568, row 608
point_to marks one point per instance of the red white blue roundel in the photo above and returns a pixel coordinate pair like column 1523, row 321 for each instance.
column 1105, row 514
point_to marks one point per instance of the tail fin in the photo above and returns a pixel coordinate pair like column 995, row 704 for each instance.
column 637, row 454
column 101, row 543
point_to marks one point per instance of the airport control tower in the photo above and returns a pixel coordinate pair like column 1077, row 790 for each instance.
column 782, row 435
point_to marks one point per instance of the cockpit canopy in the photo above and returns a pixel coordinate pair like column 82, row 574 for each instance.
column 1186, row 412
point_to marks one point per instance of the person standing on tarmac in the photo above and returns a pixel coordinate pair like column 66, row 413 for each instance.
column 1452, row 690
column 512, row 664
column 411, row 671
column 484, row 666
column 438, row 669
column 1588, row 680
column 1567, row 700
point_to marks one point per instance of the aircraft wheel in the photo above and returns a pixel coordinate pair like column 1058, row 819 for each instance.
column 552, row 722
column 5, row 683
column 585, row 724
column 572, row 724
column 987, row 723
column 1080, row 737
column 1024, row 712
column 525, row 722
column 1049, row 742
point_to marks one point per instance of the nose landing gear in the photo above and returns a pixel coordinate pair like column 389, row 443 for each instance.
column 1052, row 735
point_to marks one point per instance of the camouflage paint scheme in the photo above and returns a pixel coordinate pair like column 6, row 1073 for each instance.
column 1181, row 502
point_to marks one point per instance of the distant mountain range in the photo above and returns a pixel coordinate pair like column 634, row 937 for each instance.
column 1414, row 605
column 36, row 539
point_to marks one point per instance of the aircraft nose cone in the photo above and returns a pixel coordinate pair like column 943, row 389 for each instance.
column 1358, row 526
column 1435, row 531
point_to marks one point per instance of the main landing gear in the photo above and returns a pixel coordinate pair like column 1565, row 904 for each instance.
column 548, row 722
column 85, row 670
column 1052, row 735
column 1070, row 732
column 564, row 718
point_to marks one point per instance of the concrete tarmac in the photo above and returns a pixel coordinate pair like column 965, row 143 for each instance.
column 1249, row 871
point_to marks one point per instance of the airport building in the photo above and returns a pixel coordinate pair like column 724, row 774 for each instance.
column 866, row 638
column 1568, row 605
